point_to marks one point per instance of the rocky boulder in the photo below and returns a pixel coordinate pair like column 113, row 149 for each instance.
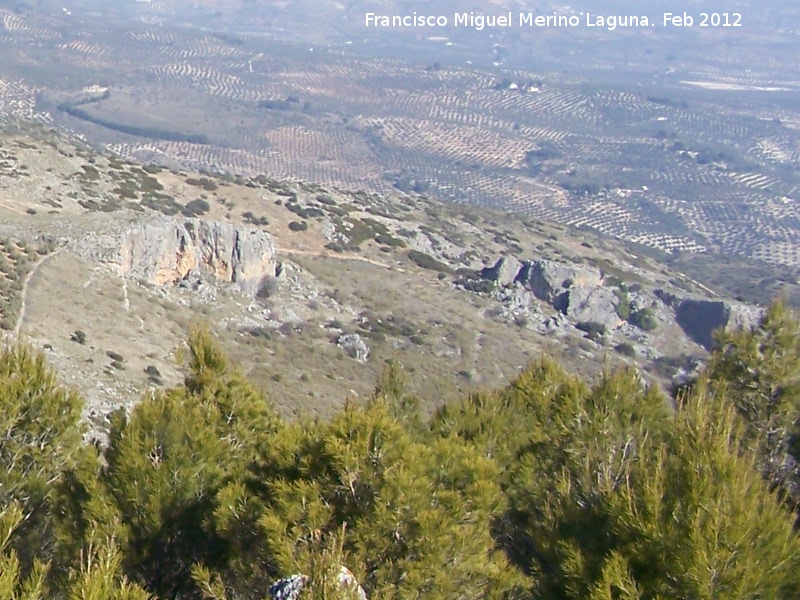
column 171, row 251
column 701, row 318
column 353, row 346
column 504, row 272
column 548, row 279
column 590, row 304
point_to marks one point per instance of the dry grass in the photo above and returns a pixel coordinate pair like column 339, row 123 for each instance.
column 450, row 341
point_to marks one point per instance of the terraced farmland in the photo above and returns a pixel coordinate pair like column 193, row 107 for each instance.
column 703, row 157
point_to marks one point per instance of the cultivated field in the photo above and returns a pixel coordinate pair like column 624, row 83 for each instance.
column 704, row 157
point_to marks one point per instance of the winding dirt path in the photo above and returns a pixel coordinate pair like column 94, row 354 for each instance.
column 288, row 251
column 25, row 282
column 318, row 254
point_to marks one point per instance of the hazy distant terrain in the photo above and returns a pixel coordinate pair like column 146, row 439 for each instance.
column 682, row 139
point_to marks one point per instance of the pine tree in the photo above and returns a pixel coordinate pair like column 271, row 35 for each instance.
column 760, row 370
column 99, row 576
column 701, row 521
column 416, row 514
column 614, row 496
column 42, row 437
column 13, row 585
column 164, row 464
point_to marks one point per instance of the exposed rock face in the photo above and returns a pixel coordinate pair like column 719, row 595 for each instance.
column 291, row 588
column 354, row 346
column 578, row 294
column 590, row 304
column 172, row 251
column 574, row 290
column 548, row 279
column 545, row 278
column 700, row 318
column 504, row 271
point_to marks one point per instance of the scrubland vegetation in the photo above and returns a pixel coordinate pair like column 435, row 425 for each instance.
column 549, row 488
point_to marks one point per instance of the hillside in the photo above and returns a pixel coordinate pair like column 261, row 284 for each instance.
column 549, row 487
column 311, row 290
column 679, row 139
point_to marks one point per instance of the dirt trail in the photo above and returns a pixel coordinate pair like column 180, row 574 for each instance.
column 377, row 263
column 25, row 282
column 289, row 251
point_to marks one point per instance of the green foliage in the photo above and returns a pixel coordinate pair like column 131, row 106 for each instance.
column 13, row 585
column 426, row 261
column 99, row 578
column 703, row 495
column 42, row 437
column 161, row 202
column 593, row 329
column 326, row 200
column 386, row 239
column 760, row 369
column 626, row 349
column 164, row 464
column 391, row 388
column 207, row 184
column 611, row 497
column 250, row 218
column 196, row 207
column 643, row 319
column 623, row 303
column 358, row 231
column 298, row 225
column 548, row 488
column 416, row 512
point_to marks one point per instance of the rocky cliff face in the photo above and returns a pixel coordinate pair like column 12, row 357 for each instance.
column 574, row 290
column 172, row 251
column 701, row 318
column 590, row 304
column 548, row 279
column 580, row 294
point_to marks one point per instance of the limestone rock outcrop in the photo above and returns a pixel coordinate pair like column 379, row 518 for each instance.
column 590, row 304
column 504, row 272
column 171, row 251
column 545, row 278
column 548, row 279
column 291, row 588
column 700, row 318
column 354, row 346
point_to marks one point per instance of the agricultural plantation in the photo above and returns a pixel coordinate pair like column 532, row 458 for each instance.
column 702, row 159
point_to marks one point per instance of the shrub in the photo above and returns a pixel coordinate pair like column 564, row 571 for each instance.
column 207, row 184
column 640, row 503
column 388, row 240
column 269, row 285
column 623, row 304
column 326, row 200
column 335, row 247
column 428, row 262
column 626, row 349
column 42, row 438
column 643, row 319
column 548, row 488
column 593, row 329
column 196, row 208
